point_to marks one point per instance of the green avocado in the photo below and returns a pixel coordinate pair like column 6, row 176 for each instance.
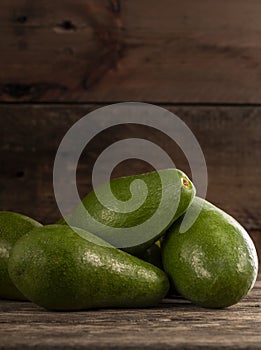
column 152, row 255
column 63, row 268
column 138, row 209
column 214, row 262
column 63, row 220
column 12, row 227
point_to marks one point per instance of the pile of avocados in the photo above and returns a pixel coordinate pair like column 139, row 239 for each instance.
column 196, row 251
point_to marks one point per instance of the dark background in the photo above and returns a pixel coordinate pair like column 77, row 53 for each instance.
column 200, row 59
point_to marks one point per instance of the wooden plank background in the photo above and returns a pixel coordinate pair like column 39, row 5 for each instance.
column 201, row 60
column 117, row 50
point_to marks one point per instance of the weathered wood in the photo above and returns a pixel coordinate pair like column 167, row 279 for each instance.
column 167, row 51
column 229, row 137
column 173, row 324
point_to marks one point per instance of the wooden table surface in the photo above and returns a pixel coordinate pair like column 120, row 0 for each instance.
column 175, row 323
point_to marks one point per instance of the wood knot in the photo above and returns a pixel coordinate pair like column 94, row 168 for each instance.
column 21, row 19
column 115, row 6
column 65, row 26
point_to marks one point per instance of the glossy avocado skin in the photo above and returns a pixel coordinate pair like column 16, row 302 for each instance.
column 114, row 219
column 58, row 269
column 214, row 263
column 12, row 227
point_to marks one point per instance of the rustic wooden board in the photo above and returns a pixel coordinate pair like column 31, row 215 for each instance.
column 114, row 50
column 173, row 324
column 229, row 137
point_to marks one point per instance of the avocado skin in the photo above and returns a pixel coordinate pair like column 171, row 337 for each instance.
column 12, row 227
column 62, row 220
column 153, row 256
column 214, row 263
column 120, row 187
column 58, row 269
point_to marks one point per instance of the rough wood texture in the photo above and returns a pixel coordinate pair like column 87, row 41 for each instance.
column 173, row 324
column 229, row 137
column 108, row 50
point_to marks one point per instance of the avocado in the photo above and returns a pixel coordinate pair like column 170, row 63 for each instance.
column 12, row 227
column 63, row 220
column 155, row 200
column 214, row 262
column 152, row 255
column 63, row 268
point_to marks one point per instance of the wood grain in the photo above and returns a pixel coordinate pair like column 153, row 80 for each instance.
column 175, row 323
column 101, row 51
column 229, row 137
